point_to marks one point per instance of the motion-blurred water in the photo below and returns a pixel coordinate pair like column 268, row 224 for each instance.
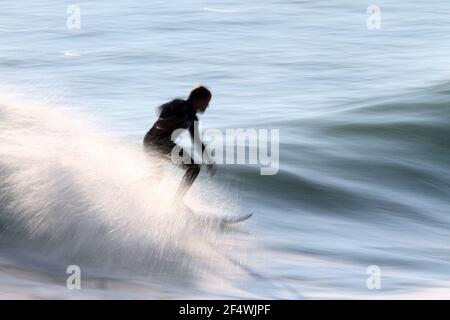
column 364, row 151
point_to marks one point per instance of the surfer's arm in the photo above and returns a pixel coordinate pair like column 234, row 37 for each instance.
column 198, row 144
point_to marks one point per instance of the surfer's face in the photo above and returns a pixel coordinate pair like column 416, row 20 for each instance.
column 202, row 104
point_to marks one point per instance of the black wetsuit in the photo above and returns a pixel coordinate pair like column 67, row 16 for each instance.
column 176, row 114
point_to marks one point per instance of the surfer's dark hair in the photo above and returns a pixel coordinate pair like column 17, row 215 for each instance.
column 199, row 92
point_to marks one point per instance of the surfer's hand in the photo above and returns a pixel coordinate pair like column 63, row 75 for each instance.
column 211, row 169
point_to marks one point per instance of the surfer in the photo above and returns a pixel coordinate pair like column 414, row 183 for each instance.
column 180, row 114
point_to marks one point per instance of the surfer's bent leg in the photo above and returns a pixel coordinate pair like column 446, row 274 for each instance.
column 192, row 171
column 159, row 155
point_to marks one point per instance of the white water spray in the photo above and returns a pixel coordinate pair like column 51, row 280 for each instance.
column 73, row 195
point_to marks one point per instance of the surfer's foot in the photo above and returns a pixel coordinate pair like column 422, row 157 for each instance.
column 179, row 196
column 188, row 179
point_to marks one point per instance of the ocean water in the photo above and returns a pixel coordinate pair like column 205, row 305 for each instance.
column 364, row 176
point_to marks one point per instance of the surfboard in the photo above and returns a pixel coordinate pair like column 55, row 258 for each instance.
column 220, row 220
column 234, row 219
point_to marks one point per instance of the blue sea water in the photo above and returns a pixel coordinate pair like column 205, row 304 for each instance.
column 364, row 175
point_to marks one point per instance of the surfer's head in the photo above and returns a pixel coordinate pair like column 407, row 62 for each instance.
column 200, row 97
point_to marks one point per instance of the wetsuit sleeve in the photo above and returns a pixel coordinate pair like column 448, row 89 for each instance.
column 195, row 134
